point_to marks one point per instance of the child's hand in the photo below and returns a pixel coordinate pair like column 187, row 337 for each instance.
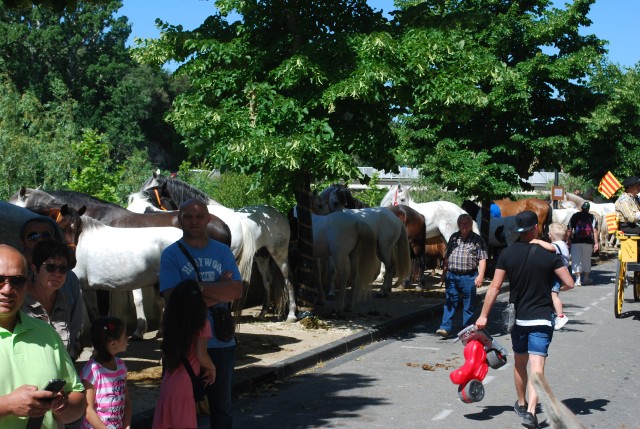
column 208, row 375
column 535, row 241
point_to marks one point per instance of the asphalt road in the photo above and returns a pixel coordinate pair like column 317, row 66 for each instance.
column 592, row 367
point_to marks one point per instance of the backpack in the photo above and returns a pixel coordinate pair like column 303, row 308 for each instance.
column 583, row 229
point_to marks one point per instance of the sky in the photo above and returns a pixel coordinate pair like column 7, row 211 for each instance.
column 613, row 20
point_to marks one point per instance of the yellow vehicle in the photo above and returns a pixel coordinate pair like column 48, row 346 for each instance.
column 627, row 262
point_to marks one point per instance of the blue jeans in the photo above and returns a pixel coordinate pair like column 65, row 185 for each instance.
column 456, row 286
column 219, row 393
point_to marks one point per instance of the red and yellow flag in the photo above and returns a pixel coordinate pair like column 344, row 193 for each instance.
column 612, row 222
column 609, row 185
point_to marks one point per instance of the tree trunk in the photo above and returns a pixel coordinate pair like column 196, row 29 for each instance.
column 306, row 294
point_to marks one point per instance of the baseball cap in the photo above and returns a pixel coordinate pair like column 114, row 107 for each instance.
column 526, row 221
column 586, row 206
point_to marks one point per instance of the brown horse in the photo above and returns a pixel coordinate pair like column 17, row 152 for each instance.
column 540, row 207
column 415, row 226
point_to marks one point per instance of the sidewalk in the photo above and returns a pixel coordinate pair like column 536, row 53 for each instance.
column 401, row 310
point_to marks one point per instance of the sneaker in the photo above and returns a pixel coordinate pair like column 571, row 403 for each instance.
column 521, row 410
column 442, row 333
column 530, row 421
column 577, row 283
column 560, row 322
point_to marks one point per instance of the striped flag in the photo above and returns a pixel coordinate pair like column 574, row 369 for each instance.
column 612, row 222
column 609, row 185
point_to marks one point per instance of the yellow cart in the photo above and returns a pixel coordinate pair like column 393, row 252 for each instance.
column 627, row 262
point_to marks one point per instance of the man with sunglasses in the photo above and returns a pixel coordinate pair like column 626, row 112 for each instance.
column 31, row 354
column 33, row 232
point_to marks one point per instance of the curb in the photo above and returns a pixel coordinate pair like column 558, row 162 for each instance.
column 251, row 378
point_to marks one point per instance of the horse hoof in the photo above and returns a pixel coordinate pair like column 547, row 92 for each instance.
column 400, row 287
column 418, row 289
column 291, row 319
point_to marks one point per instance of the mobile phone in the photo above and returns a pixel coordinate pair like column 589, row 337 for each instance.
column 55, row 385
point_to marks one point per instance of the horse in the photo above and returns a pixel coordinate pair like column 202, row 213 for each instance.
column 112, row 214
column 120, row 259
column 258, row 233
column 541, row 208
column 345, row 241
column 415, row 226
column 441, row 217
column 115, row 216
column 338, row 197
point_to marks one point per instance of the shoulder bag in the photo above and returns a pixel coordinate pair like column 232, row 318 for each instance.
column 196, row 381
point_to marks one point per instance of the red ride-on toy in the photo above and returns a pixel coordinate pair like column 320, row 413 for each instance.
column 481, row 351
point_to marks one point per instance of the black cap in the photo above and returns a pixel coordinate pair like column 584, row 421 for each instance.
column 586, row 206
column 630, row 181
column 526, row 221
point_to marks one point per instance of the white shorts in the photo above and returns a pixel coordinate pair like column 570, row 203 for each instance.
column 581, row 257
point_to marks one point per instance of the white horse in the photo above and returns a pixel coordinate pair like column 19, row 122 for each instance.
column 258, row 233
column 346, row 241
column 121, row 259
column 441, row 217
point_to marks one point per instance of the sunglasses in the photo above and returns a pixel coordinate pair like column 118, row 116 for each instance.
column 51, row 268
column 14, row 281
column 33, row 236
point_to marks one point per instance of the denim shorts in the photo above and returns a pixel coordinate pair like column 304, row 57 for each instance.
column 556, row 285
column 533, row 340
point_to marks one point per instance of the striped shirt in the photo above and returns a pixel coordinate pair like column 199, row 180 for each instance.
column 627, row 208
column 110, row 388
column 465, row 255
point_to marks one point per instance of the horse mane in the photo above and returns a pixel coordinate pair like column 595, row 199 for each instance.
column 180, row 191
column 74, row 197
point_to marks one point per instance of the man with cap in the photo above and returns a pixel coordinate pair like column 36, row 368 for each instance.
column 530, row 271
column 583, row 241
column 628, row 207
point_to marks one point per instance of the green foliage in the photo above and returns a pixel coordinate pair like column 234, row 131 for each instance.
column 373, row 195
column 93, row 164
column 34, row 139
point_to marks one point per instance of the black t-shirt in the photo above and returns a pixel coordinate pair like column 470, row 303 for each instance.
column 582, row 226
column 533, row 287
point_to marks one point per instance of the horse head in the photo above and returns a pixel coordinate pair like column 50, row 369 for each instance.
column 70, row 222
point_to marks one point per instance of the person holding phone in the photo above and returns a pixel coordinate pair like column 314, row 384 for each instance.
column 31, row 354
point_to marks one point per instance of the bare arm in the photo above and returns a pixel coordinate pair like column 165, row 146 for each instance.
column 490, row 298
column 544, row 244
column 221, row 291
column 26, row 401
column 91, row 415
column 208, row 368
column 482, row 267
column 565, row 278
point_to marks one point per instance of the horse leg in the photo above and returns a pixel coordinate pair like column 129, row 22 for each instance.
column 388, row 275
column 141, row 319
column 262, row 261
column 341, row 266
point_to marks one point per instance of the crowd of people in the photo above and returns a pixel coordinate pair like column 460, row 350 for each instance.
column 41, row 318
column 41, row 314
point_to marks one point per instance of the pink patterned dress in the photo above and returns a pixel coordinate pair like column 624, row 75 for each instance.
column 110, row 388
column 176, row 407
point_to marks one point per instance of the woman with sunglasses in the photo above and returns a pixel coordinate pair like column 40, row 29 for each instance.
column 49, row 266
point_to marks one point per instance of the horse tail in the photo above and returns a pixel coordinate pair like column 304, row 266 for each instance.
column 247, row 252
column 548, row 221
column 368, row 264
column 402, row 256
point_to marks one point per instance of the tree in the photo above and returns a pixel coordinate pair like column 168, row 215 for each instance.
column 609, row 139
column 490, row 88
column 280, row 95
